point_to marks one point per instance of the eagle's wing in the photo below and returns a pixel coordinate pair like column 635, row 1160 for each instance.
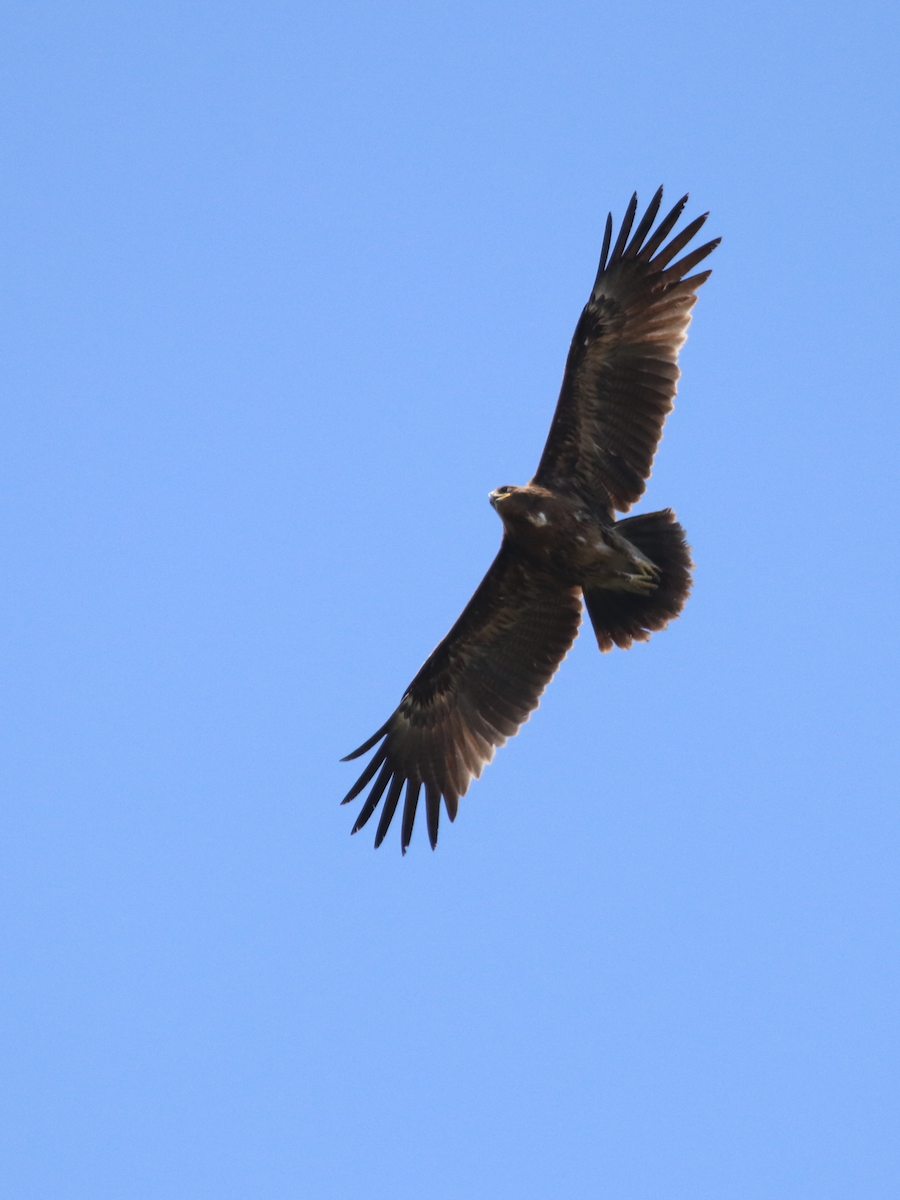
column 621, row 372
column 472, row 693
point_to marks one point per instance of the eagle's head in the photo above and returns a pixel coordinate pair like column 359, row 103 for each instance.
column 498, row 495
column 528, row 506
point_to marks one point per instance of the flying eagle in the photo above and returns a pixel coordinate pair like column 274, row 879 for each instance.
column 561, row 541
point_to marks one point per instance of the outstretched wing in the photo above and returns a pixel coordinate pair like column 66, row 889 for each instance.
column 471, row 694
column 621, row 372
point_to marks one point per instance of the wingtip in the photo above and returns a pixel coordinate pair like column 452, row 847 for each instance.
column 662, row 231
column 410, row 804
column 607, row 238
column 644, row 225
column 367, row 774
column 625, row 230
column 368, row 744
column 673, row 248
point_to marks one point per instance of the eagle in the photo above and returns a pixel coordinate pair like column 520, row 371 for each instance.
column 562, row 544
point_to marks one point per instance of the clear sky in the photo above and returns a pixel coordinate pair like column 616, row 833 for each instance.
column 287, row 288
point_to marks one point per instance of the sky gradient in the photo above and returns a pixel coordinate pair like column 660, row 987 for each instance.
column 287, row 289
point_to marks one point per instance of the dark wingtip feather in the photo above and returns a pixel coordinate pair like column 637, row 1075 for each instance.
column 678, row 242
column 432, row 811
column 662, row 230
column 390, row 807
column 368, row 744
column 644, row 227
column 696, row 281
column 625, row 230
column 366, row 775
column 373, row 797
column 607, row 237
column 677, row 270
column 410, row 801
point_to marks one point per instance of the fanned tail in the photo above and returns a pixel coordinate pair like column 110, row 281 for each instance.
column 623, row 618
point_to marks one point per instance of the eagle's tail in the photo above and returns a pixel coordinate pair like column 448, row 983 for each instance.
column 621, row 618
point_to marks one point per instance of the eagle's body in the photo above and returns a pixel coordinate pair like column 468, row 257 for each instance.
column 561, row 541
column 570, row 541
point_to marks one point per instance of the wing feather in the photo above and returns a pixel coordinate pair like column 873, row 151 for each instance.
column 374, row 796
column 663, row 229
column 433, row 793
column 625, row 230
column 646, row 221
column 472, row 693
column 607, row 235
column 365, row 777
column 410, row 803
column 622, row 370
column 679, row 242
column 390, row 807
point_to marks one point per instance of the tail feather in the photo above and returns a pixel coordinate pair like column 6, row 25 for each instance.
column 623, row 618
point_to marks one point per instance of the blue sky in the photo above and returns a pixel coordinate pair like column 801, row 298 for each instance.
column 287, row 289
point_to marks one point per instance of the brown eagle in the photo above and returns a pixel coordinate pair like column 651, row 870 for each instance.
column 561, row 540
